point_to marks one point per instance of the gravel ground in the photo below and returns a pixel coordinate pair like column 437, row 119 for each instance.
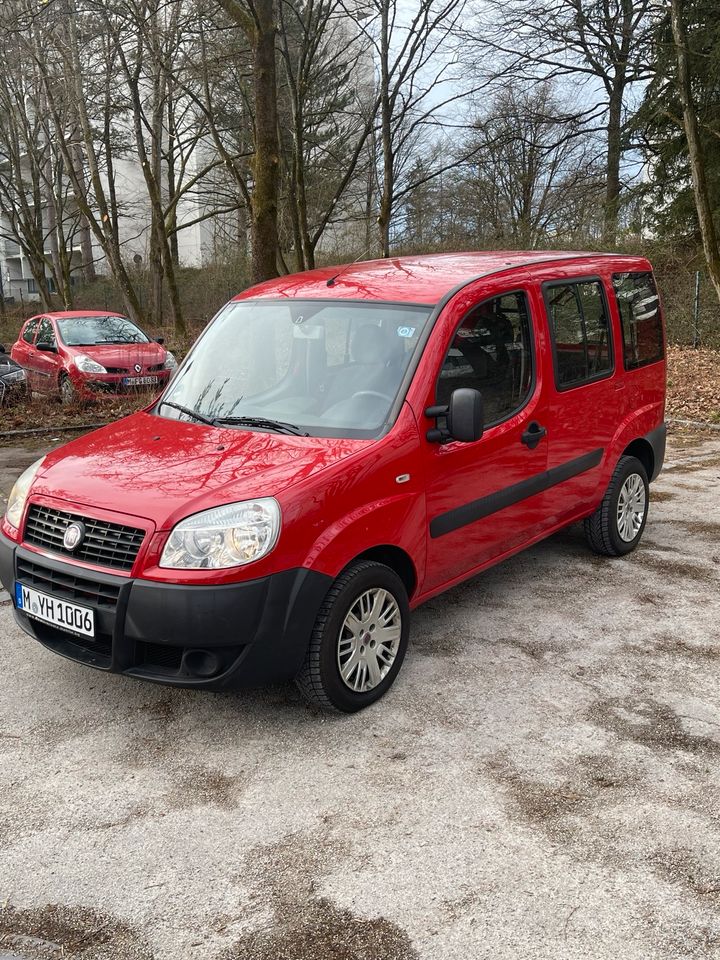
column 541, row 782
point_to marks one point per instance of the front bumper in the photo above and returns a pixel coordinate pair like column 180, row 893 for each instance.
column 214, row 637
column 115, row 382
column 12, row 389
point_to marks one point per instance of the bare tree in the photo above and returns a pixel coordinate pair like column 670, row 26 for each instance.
column 330, row 92
column 415, row 59
column 85, row 135
column 534, row 168
column 40, row 214
column 601, row 45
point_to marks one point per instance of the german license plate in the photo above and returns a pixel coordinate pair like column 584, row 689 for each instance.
column 141, row 381
column 60, row 613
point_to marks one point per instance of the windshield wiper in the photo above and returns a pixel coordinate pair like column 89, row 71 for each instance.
column 278, row 425
column 190, row 413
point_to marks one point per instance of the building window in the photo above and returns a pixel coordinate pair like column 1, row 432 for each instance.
column 492, row 352
column 580, row 331
column 639, row 309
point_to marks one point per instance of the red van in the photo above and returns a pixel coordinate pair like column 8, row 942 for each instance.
column 338, row 447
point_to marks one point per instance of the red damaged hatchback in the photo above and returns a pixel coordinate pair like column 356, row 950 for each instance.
column 338, row 447
column 77, row 354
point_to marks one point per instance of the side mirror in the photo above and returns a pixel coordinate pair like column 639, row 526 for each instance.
column 47, row 347
column 463, row 417
column 160, row 340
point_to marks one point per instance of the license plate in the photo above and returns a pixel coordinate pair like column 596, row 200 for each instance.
column 60, row 613
column 141, row 381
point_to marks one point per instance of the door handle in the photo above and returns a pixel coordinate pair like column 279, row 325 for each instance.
column 533, row 435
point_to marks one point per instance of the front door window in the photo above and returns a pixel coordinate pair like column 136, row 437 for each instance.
column 492, row 352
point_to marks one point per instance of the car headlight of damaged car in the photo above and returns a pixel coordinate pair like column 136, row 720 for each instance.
column 19, row 494
column 227, row 536
column 87, row 365
column 170, row 361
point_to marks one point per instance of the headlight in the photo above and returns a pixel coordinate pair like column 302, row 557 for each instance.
column 88, row 365
column 14, row 377
column 170, row 362
column 228, row 536
column 19, row 493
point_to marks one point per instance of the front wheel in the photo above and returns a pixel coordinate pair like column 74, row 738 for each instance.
column 68, row 394
column 618, row 523
column 359, row 640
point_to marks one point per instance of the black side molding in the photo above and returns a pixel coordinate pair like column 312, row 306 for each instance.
column 485, row 506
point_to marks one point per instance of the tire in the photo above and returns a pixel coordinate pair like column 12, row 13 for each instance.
column 612, row 531
column 363, row 588
column 68, row 393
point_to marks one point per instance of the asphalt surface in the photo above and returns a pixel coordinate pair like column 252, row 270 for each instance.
column 541, row 782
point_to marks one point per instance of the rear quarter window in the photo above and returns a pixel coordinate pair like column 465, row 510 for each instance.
column 640, row 318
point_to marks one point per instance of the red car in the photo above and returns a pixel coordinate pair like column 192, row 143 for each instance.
column 338, row 447
column 77, row 354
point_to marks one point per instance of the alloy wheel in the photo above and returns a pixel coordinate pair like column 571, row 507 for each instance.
column 631, row 507
column 369, row 640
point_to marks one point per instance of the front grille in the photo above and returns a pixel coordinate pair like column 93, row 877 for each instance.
column 67, row 586
column 117, row 369
column 105, row 544
column 159, row 655
column 97, row 651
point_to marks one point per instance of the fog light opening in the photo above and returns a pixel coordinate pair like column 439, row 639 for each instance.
column 201, row 663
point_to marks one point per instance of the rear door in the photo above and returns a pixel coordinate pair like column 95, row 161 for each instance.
column 585, row 397
column 485, row 498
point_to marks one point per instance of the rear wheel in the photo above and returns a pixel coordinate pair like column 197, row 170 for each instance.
column 618, row 523
column 359, row 640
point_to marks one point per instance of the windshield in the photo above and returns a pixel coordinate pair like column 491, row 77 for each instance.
column 90, row 331
column 329, row 368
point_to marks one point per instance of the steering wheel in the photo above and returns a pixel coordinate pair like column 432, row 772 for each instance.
column 372, row 393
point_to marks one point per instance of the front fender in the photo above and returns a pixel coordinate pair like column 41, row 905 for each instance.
column 397, row 521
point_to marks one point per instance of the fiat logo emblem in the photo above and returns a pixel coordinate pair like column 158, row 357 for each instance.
column 74, row 536
column 138, row 367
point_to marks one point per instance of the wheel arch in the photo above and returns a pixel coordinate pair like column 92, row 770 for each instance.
column 643, row 451
column 397, row 559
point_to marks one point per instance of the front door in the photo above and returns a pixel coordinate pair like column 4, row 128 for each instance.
column 45, row 362
column 24, row 350
column 485, row 498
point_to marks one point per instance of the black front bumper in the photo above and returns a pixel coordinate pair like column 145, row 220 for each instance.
column 239, row 634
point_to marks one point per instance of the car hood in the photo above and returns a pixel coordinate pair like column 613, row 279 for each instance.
column 163, row 470
column 123, row 355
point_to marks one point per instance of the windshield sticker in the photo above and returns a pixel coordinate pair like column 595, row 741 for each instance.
column 406, row 332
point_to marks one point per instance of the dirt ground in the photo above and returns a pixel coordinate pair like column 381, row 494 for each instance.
column 541, row 782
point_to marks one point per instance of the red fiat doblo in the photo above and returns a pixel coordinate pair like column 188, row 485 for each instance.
column 338, row 447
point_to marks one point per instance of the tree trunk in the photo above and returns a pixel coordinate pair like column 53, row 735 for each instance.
column 614, row 155
column 708, row 231
column 266, row 162
column 388, row 186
